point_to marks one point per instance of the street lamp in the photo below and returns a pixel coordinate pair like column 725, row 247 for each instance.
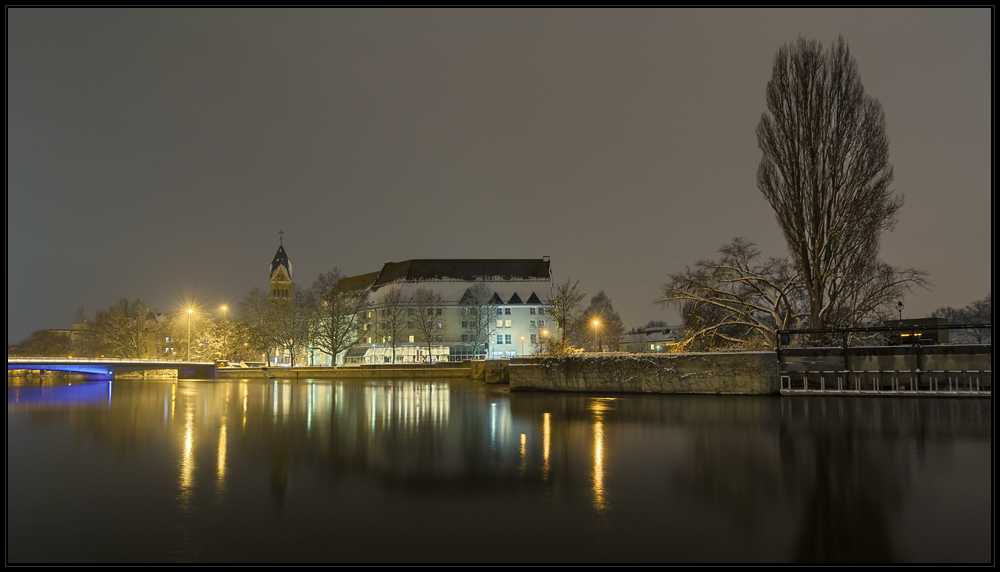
column 522, row 345
column 190, row 311
column 596, row 323
column 225, row 311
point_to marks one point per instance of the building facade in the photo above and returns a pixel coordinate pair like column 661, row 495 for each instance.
column 404, row 297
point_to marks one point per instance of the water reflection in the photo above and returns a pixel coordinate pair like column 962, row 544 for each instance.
column 599, row 406
column 549, row 477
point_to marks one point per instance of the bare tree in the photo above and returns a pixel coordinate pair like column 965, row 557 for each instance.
column 727, row 301
column 479, row 313
column 338, row 311
column 43, row 343
column 564, row 307
column 124, row 329
column 606, row 333
column 428, row 318
column 229, row 340
column 825, row 170
column 392, row 319
column 978, row 312
column 294, row 322
column 259, row 313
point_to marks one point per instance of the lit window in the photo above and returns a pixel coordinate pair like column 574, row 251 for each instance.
column 411, row 339
column 499, row 323
column 506, row 324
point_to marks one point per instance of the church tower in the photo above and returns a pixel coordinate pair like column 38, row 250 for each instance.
column 281, row 273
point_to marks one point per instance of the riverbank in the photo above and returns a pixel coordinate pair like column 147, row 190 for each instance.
column 738, row 373
column 744, row 373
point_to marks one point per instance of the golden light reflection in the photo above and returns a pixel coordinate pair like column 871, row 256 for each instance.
column 600, row 503
column 187, row 457
column 524, row 456
column 221, row 473
column 599, row 407
column 546, row 441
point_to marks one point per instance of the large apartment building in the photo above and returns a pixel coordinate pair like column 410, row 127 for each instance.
column 518, row 291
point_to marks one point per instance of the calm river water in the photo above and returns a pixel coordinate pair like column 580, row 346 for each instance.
column 452, row 471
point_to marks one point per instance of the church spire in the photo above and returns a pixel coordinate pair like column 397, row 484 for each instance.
column 281, row 272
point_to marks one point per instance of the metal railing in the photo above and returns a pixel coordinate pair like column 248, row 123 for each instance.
column 928, row 368
column 890, row 382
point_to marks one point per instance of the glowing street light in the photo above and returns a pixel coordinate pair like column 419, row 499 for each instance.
column 522, row 345
column 225, row 311
column 596, row 323
column 190, row 311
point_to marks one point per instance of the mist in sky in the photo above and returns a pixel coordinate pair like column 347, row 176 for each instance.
column 156, row 153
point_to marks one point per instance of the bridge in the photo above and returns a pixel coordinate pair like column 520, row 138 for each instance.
column 108, row 367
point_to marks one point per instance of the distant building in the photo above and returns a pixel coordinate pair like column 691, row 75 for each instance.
column 281, row 275
column 650, row 340
column 922, row 336
column 518, row 286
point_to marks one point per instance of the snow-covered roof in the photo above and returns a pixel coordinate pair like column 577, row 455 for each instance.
column 281, row 259
column 512, row 280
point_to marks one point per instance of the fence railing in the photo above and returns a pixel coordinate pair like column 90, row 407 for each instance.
column 890, row 382
column 920, row 367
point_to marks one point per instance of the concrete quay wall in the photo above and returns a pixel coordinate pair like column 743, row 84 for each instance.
column 743, row 373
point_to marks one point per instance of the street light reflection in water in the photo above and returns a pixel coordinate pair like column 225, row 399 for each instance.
column 452, row 471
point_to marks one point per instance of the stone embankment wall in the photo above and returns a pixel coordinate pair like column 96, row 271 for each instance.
column 744, row 373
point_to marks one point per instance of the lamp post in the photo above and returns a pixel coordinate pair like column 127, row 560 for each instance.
column 596, row 323
column 522, row 345
column 190, row 311
column 225, row 313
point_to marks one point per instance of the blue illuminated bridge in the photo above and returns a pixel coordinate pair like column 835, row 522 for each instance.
column 107, row 367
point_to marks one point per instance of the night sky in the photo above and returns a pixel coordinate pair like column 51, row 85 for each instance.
column 156, row 153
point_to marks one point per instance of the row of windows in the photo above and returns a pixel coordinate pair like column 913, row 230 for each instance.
column 532, row 310
column 409, row 324
column 505, row 339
